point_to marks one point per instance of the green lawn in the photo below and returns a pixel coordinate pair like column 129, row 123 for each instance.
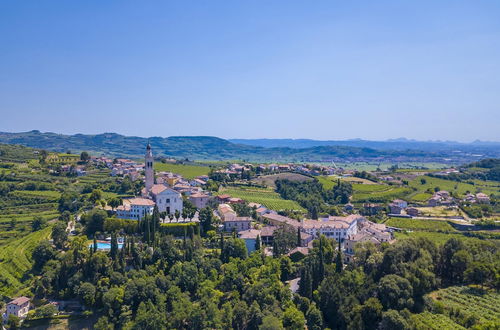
column 266, row 197
column 187, row 171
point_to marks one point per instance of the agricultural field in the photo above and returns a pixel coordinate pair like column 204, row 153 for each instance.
column 458, row 188
column 439, row 211
column 15, row 262
column 427, row 320
column 268, row 180
column 469, row 301
column 436, row 237
column 266, row 197
column 48, row 194
column 187, row 171
column 422, row 225
column 378, row 193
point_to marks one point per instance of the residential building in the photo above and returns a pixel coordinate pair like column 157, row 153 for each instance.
column 18, row 307
column 482, row 198
column 333, row 227
column 226, row 212
column 368, row 232
column 412, row 211
column 237, row 223
column 199, row 200
column 135, row 208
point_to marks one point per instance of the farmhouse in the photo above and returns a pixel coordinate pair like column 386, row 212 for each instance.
column 18, row 307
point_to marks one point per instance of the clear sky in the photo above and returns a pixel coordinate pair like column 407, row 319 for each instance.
column 253, row 69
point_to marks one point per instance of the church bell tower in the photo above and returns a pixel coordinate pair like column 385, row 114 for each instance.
column 148, row 168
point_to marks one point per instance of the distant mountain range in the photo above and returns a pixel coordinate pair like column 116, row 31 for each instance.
column 302, row 150
column 393, row 144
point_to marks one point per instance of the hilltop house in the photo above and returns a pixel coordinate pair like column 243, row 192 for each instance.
column 18, row 307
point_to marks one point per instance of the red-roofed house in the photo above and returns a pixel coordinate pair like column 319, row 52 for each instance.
column 18, row 307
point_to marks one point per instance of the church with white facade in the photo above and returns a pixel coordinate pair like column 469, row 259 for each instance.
column 166, row 199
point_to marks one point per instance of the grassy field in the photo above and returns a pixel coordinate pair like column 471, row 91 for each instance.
column 422, row 225
column 15, row 262
column 266, row 197
column 483, row 305
column 268, row 180
column 187, row 171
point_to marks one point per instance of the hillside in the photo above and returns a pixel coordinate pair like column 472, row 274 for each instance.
column 213, row 148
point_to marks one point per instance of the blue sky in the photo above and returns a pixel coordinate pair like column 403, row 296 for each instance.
column 253, row 69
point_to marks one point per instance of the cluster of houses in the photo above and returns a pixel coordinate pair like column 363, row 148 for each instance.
column 349, row 230
column 479, row 198
column 298, row 168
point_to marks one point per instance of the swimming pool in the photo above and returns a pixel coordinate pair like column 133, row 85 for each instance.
column 105, row 245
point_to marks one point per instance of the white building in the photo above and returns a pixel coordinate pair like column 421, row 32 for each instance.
column 167, row 199
column 18, row 307
column 338, row 228
column 135, row 208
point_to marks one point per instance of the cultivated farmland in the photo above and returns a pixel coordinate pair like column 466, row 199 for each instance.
column 470, row 302
column 187, row 171
column 15, row 261
column 266, row 197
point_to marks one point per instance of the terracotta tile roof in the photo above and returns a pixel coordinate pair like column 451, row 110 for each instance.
column 141, row 201
column 19, row 301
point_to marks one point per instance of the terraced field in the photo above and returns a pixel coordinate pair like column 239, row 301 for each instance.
column 471, row 302
column 187, row 171
column 422, row 225
column 427, row 320
column 378, row 193
column 266, row 197
column 15, row 262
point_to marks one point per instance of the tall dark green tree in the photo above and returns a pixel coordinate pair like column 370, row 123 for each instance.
column 338, row 260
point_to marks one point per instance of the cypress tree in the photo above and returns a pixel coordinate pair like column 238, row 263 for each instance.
column 221, row 244
column 299, row 240
column 338, row 261
column 321, row 260
column 95, row 244
column 114, row 247
column 258, row 243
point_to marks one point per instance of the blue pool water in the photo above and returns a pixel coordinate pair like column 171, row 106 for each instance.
column 105, row 246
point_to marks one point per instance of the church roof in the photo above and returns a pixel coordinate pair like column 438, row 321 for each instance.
column 159, row 188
